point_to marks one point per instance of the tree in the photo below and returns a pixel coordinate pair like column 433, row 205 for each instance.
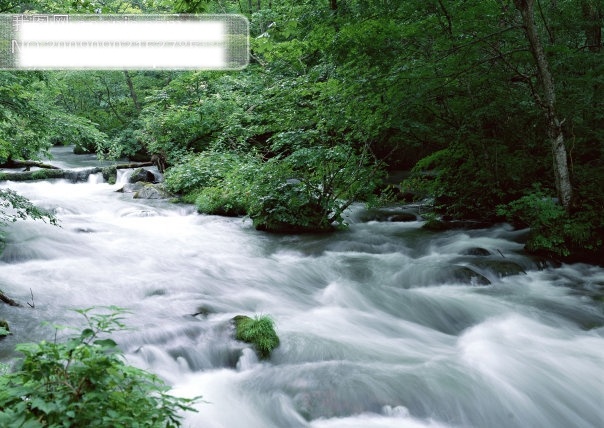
column 554, row 131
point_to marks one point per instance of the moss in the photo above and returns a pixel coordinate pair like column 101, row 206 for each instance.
column 45, row 174
column 110, row 174
column 258, row 331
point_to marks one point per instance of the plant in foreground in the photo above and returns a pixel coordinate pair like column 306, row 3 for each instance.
column 85, row 382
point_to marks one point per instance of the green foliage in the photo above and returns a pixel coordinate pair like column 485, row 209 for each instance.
column 307, row 191
column 206, row 169
column 24, row 116
column 310, row 189
column 15, row 207
column 4, row 328
column 68, row 129
column 544, row 216
column 220, row 201
column 553, row 230
column 259, row 331
column 84, row 381
column 452, row 83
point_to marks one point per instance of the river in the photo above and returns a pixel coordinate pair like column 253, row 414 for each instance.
column 380, row 325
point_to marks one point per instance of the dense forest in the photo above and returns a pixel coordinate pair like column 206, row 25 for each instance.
column 495, row 107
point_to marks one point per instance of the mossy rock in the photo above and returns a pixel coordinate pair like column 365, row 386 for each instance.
column 110, row 174
column 141, row 174
column 152, row 191
column 258, row 331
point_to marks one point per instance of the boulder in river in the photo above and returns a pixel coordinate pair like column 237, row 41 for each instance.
column 476, row 251
column 403, row 217
column 464, row 275
column 501, row 268
column 384, row 215
column 131, row 187
column 141, row 174
column 152, row 191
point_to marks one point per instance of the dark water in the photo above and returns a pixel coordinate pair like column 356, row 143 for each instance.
column 383, row 325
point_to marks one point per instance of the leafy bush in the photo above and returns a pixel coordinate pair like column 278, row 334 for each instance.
column 544, row 216
column 553, row 230
column 309, row 190
column 219, row 201
column 205, row 169
column 84, row 382
column 259, row 331
column 306, row 191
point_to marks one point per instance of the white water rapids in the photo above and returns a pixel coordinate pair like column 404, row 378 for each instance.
column 377, row 329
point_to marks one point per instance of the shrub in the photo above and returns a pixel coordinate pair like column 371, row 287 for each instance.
column 258, row 331
column 219, row 201
column 553, row 230
column 84, row 382
column 309, row 190
column 198, row 171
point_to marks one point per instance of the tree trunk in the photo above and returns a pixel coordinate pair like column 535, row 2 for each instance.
column 4, row 298
column 137, row 106
column 548, row 104
column 27, row 164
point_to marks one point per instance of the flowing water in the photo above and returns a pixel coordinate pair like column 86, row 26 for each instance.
column 382, row 325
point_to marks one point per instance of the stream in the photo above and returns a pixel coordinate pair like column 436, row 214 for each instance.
column 381, row 325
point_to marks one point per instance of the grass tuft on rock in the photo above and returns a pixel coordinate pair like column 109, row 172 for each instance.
column 258, row 331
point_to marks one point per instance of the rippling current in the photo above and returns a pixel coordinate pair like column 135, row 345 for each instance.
column 382, row 325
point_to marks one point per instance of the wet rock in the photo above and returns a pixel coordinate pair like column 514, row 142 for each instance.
column 110, row 174
column 476, row 251
column 442, row 225
column 465, row 275
column 141, row 174
column 387, row 215
column 456, row 274
column 152, row 191
column 403, row 217
column 131, row 187
column 76, row 175
column 203, row 312
column 501, row 268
